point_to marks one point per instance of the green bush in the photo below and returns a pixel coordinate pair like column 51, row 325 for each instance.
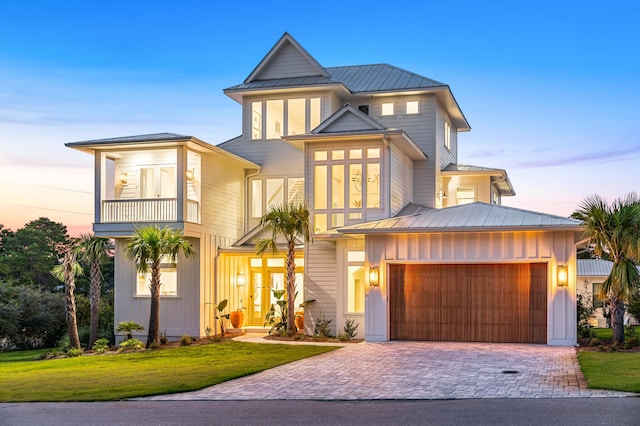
column 154, row 345
column 350, row 328
column 634, row 308
column 595, row 342
column 101, row 346
column 73, row 352
column 185, row 340
column 163, row 337
column 631, row 343
column 322, row 327
column 131, row 345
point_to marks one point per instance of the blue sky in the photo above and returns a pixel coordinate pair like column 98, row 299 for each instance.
column 551, row 89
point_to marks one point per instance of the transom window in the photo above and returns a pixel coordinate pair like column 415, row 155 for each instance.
column 345, row 182
column 465, row 195
column 266, row 192
column 275, row 118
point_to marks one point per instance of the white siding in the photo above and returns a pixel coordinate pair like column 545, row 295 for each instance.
column 130, row 163
column 553, row 248
column 320, row 283
column 287, row 62
column 445, row 156
column 401, row 180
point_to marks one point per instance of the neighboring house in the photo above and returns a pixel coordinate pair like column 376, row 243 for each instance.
column 409, row 243
column 591, row 274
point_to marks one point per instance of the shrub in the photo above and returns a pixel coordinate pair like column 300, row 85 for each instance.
column 186, row 340
column 129, row 327
column 343, row 337
column 163, row 337
column 154, row 345
column 322, row 328
column 634, row 308
column 101, row 346
column 48, row 355
column 131, row 345
column 73, row 352
column 629, row 331
column 595, row 342
column 64, row 343
column 631, row 343
column 350, row 329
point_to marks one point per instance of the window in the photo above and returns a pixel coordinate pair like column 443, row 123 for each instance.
column 465, row 195
column 256, row 191
column 355, row 282
column 597, row 302
column 364, row 109
column 281, row 117
column 168, row 280
column 412, row 107
column 272, row 191
column 344, row 183
column 447, row 135
column 256, row 120
column 296, row 116
column 314, row 113
column 387, row 108
column 275, row 119
column 158, row 182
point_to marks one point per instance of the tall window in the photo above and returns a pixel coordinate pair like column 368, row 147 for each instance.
column 345, row 182
column 447, row 135
column 168, row 280
column 355, row 282
column 275, row 118
column 272, row 191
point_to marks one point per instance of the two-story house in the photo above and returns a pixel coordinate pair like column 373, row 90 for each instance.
column 407, row 242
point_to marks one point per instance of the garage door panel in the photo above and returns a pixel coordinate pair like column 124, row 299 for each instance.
column 484, row 303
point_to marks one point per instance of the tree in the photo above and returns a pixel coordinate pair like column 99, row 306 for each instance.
column 615, row 229
column 147, row 248
column 94, row 251
column 292, row 222
column 66, row 272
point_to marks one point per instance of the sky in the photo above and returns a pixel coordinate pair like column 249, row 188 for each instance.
column 551, row 88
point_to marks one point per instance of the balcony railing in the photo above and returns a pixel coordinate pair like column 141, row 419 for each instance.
column 147, row 210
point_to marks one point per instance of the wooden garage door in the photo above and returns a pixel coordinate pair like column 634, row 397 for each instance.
column 469, row 303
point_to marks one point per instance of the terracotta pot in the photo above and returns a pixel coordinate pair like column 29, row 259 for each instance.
column 236, row 318
column 300, row 320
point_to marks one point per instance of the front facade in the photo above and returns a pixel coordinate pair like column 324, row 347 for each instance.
column 407, row 242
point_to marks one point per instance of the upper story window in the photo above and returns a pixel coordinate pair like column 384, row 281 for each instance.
column 447, row 135
column 413, row 107
column 275, row 118
column 387, row 108
column 345, row 182
column 465, row 195
column 271, row 191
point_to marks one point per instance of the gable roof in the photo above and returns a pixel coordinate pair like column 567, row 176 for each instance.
column 285, row 52
column 348, row 118
column 474, row 217
column 501, row 180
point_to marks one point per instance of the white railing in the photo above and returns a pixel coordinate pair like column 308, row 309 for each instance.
column 147, row 210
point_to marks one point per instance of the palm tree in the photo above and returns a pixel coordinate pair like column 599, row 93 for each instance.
column 615, row 229
column 66, row 272
column 94, row 251
column 291, row 221
column 147, row 247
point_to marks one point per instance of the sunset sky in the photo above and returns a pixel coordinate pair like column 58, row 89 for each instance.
column 551, row 89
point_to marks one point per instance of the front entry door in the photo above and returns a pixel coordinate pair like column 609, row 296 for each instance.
column 261, row 297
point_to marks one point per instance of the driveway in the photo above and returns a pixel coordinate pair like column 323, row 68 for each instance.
column 415, row 370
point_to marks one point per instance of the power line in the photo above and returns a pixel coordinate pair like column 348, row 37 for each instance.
column 45, row 208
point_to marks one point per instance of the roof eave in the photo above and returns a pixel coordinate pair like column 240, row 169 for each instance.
column 441, row 230
column 238, row 94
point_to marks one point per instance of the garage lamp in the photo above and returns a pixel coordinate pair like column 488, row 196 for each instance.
column 562, row 275
column 374, row 275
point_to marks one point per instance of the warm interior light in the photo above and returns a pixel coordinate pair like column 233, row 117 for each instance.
column 374, row 275
column 190, row 175
column 562, row 275
column 240, row 281
column 123, row 178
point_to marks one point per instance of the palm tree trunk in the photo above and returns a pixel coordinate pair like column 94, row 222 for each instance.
column 291, row 287
column 154, row 316
column 94, row 300
column 70, row 310
column 617, row 319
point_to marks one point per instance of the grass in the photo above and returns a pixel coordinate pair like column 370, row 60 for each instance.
column 611, row 370
column 17, row 356
column 607, row 333
column 114, row 377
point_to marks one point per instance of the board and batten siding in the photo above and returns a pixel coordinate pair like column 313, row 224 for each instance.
column 222, row 197
column 401, row 176
column 178, row 314
column 287, row 62
column 320, row 283
column 552, row 248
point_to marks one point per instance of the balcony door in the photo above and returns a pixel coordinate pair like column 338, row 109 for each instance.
column 158, row 182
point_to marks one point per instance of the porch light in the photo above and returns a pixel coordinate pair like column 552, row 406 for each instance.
column 374, row 275
column 240, row 281
column 123, row 178
column 562, row 275
column 189, row 175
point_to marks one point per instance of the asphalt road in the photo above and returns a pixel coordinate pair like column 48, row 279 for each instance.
column 566, row 411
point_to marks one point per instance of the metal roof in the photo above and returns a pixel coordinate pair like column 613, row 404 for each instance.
column 138, row 138
column 594, row 267
column 499, row 177
column 468, row 168
column 357, row 78
column 474, row 217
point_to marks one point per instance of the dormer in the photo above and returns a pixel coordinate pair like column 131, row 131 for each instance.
column 465, row 184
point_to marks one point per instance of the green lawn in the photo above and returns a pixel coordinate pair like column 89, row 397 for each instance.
column 21, row 355
column 611, row 370
column 607, row 333
column 115, row 377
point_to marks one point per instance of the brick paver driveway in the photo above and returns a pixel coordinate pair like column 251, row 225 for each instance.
column 415, row 370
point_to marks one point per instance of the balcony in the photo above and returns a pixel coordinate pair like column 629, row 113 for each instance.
column 147, row 210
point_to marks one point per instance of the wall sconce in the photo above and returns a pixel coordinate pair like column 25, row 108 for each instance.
column 562, row 275
column 189, row 175
column 240, row 281
column 123, row 178
column 374, row 275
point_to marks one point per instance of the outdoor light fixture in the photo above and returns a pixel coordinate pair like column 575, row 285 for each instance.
column 374, row 275
column 190, row 175
column 562, row 275
column 123, row 178
column 240, row 281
